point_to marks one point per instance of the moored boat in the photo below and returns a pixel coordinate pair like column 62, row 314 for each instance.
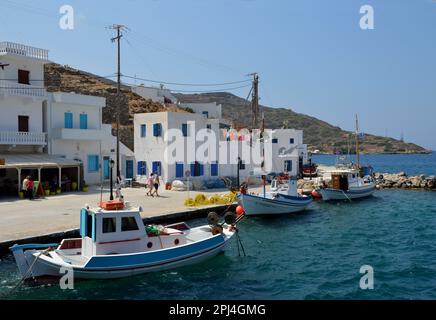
column 116, row 244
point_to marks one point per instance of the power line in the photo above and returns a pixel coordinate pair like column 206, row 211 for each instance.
column 189, row 84
column 202, row 91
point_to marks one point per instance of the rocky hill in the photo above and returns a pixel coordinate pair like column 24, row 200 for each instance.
column 318, row 134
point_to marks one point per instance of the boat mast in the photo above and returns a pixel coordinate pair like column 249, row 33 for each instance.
column 357, row 143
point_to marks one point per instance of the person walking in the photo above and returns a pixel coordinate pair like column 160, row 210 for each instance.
column 30, row 188
column 156, row 184
column 150, row 184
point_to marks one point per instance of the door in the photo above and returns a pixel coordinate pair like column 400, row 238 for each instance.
column 23, row 123
column 129, row 169
column 106, row 168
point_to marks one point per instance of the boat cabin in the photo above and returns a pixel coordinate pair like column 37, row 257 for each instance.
column 106, row 232
column 342, row 179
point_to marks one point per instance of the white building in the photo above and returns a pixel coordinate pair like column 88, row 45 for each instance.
column 156, row 94
column 51, row 136
column 155, row 141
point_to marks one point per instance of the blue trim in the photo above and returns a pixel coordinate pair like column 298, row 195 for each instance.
column 297, row 202
column 179, row 170
column 16, row 247
column 83, row 121
column 93, row 228
column 155, row 257
column 68, row 120
column 83, row 221
column 214, row 169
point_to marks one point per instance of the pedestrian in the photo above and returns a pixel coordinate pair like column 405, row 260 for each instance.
column 30, row 188
column 24, row 186
column 156, row 184
column 150, row 183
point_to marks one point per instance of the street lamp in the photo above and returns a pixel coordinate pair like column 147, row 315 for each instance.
column 111, row 165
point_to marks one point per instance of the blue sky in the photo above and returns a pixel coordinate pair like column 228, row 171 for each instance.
column 311, row 55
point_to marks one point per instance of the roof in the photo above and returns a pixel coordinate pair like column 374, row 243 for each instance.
column 35, row 161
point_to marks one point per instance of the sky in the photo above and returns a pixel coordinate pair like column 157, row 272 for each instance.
column 311, row 55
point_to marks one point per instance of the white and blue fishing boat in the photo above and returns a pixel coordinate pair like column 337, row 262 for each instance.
column 115, row 244
column 347, row 185
column 278, row 201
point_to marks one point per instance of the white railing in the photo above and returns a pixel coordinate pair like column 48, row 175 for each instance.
column 23, row 138
column 23, row 50
column 23, row 90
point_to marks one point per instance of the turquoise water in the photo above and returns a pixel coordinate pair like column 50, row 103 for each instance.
column 315, row 255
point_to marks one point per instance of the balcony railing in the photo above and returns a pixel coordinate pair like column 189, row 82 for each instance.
column 23, row 50
column 23, row 138
column 21, row 90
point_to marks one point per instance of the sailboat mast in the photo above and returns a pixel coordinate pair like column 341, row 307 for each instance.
column 357, row 142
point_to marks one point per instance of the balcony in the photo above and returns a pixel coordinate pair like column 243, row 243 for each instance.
column 23, row 50
column 78, row 134
column 10, row 88
column 22, row 138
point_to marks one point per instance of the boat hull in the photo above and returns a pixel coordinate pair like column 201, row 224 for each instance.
column 329, row 194
column 258, row 205
column 120, row 266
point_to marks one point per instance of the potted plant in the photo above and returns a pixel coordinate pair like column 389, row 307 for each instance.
column 74, row 185
column 85, row 188
column 58, row 190
column 47, row 191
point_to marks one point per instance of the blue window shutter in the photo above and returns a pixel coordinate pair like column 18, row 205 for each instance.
column 291, row 141
column 192, row 169
column 185, row 129
column 93, row 228
column 157, row 130
column 143, row 130
column 179, row 170
column 83, row 221
column 214, row 169
column 142, row 168
column 139, row 168
column 68, row 120
column 155, row 164
column 275, row 140
column 83, row 121
column 93, row 165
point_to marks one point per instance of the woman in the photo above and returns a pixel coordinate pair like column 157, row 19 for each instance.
column 156, row 184
column 24, row 187
column 150, row 182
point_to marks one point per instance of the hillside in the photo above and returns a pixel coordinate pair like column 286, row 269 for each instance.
column 318, row 134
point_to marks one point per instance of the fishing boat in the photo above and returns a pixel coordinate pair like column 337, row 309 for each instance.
column 115, row 243
column 347, row 185
column 278, row 201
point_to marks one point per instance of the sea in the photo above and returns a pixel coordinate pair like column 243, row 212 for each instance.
column 383, row 247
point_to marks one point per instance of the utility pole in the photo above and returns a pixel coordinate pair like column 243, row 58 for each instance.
column 255, row 100
column 119, row 29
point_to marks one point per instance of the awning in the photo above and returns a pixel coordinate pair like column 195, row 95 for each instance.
column 16, row 161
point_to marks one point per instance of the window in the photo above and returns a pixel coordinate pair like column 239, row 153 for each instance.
column 143, row 130
column 93, row 163
column 109, row 225
column 275, row 140
column 129, row 224
column 83, row 121
column 208, row 126
column 206, row 114
column 214, row 169
column 185, row 129
column 288, row 165
column 142, row 168
column 242, row 165
column 23, row 123
column 23, row 76
column 179, row 170
column 291, row 141
column 157, row 168
column 157, row 130
column 68, row 120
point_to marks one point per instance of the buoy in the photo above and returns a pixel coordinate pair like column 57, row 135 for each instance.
column 316, row 194
column 240, row 211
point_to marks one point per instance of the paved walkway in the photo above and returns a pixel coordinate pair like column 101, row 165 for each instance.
column 24, row 218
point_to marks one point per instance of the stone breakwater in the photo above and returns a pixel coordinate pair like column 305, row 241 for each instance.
column 383, row 180
column 403, row 181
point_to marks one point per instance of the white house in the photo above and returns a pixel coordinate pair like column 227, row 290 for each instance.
column 51, row 136
column 210, row 110
column 159, row 137
column 156, row 94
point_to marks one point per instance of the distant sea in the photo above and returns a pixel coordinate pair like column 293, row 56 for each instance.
column 314, row 255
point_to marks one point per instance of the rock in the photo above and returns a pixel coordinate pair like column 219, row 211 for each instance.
column 402, row 174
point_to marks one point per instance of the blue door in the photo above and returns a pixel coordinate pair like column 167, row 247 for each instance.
column 83, row 121
column 129, row 169
column 106, row 168
column 179, row 170
column 214, row 169
column 68, row 120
